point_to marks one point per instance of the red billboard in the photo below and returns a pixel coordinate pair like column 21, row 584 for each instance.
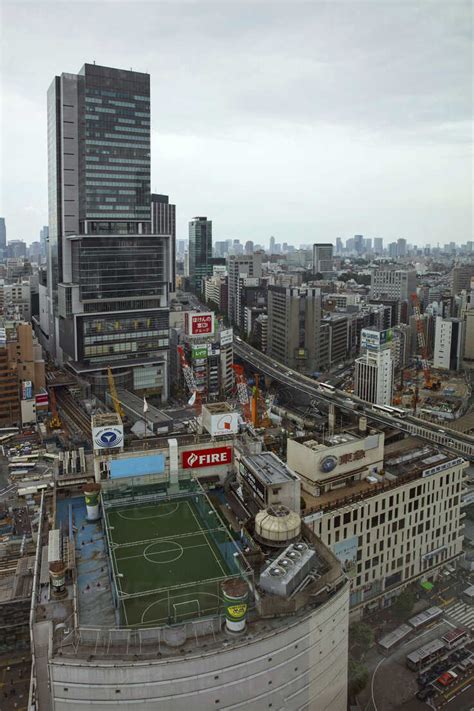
column 195, row 458
column 199, row 324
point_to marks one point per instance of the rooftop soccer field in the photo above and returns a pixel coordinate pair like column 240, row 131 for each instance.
column 169, row 559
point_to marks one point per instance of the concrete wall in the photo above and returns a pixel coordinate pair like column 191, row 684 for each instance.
column 302, row 667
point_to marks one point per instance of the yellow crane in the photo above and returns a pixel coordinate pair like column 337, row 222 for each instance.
column 113, row 394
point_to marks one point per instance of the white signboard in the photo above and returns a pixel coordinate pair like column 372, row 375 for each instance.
column 227, row 336
column 225, row 423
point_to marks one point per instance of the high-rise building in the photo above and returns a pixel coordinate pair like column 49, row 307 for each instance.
column 238, row 268
column 294, row 324
column 200, row 251
column 108, row 274
column 3, row 234
column 248, row 249
column 462, row 278
column 359, row 244
column 373, row 376
column 339, row 247
column 378, row 245
column 163, row 223
column 323, row 260
column 398, row 284
column 272, row 244
column 44, row 236
column 16, row 249
column 401, row 247
column 449, row 343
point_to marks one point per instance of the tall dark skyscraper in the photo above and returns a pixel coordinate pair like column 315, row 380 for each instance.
column 108, row 274
column 200, row 250
column 3, row 234
column 163, row 222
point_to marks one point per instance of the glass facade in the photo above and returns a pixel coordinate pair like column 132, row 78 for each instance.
column 200, row 250
column 116, row 267
column 125, row 336
column 115, row 160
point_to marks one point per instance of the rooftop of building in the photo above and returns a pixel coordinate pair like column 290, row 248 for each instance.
column 89, row 585
column 269, row 468
column 404, row 461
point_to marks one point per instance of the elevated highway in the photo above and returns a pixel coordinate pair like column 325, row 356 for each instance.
column 455, row 442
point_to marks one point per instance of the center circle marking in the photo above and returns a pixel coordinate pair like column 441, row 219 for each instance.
column 167, row 555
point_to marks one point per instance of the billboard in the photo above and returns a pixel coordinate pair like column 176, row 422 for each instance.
column 214, row 457
column 199, row 352
column 137, row 466
column 107, row 437
column 26, row 390
column 221, row 423
column 199, row 324
column 374, row 340
column 227, row 336
column 346, row 552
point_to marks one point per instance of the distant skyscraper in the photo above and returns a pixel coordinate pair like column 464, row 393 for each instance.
column 44, row 234
column 272, row 245
column 200, row 250
column 359, row 244
column 107, row 273
column 339, row 247
column 323, row 260
column 401, row 247
column 163, row 222
column 3, row 233
column 378, row 245
column 248, row 247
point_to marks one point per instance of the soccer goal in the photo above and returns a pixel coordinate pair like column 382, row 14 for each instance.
column 183, row 610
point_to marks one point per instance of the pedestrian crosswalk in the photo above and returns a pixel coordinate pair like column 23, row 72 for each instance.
column 461, row 613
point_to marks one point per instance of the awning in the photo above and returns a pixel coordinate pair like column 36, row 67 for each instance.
column 426, row 585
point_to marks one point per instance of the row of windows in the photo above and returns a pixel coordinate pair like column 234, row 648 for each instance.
column 132, row 129
column 113, row 94
column 122, row 216
column 90, row 142
column 129, row 160
column 105, row 191
column 112, row 184
column 128, row 138
column 125, row 347
column 89, row 340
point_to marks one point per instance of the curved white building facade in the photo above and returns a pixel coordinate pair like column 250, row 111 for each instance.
column 294, row 663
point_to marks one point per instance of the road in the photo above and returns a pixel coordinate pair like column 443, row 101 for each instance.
column 455, row 442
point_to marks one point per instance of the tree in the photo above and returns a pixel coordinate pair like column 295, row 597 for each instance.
column 403, row 604
column 361, row 634
column 358, row 676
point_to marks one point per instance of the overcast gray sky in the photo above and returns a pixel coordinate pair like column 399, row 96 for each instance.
column 305, row 120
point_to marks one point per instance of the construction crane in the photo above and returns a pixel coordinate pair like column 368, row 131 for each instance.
column 243, row 392
column 259, row 401
column 430, row 382
column 190, row 381
column 113, row 394
column 55, row 420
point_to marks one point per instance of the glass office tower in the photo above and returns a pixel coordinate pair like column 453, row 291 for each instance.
column 200, row 251
column 108, row 273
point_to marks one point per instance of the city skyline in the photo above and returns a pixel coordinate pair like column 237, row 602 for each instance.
column 358, row 124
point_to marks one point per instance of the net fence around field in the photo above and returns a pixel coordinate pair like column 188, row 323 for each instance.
column 158, row 599
column 149, row 488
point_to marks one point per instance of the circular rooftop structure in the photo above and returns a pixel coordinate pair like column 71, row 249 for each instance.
column 277, row 526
